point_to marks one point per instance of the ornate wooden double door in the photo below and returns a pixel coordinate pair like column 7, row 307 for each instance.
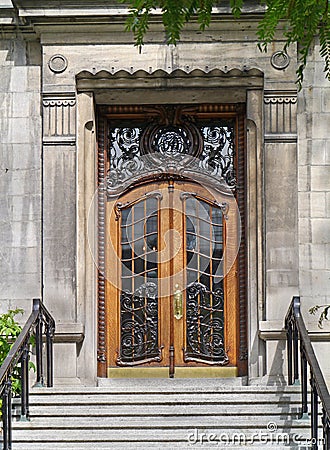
column 169, row 303
column 171, row 271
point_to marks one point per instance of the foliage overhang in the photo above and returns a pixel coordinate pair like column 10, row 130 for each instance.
column 300, row 21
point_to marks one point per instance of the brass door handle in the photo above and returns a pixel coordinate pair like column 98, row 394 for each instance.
column 178, row 302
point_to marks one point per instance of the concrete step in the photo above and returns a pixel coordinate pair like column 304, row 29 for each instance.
column 146, row 422
column 164, row 385
column 128, row 410
column 156, row 434
column 161, row 399
column 166, row 445
column 156, row 414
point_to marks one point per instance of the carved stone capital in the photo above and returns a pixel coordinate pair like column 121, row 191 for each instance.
column 280, row 108
column 59, row 119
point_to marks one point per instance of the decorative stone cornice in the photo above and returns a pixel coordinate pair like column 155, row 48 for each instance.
column 101, row 8
column 280, row 99
column 91, row 16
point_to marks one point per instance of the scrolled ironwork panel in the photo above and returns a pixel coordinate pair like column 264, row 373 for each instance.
column 205, row 338
column 218, row 156
column 124, row 157
column 139, row 326
column 172, row 141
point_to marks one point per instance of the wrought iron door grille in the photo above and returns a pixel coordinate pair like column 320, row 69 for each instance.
column 157, row 139
column 139, row 326
column 205, row 325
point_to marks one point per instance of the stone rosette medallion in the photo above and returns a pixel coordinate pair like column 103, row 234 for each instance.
column 58, row 63
column 280, row 60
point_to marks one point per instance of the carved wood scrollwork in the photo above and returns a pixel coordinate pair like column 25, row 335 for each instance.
column 120, row 206
column 223, row 206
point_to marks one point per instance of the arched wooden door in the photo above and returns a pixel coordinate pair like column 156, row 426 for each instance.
column 172, row 302
column 170, row 205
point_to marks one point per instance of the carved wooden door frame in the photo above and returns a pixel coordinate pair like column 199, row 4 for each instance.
column 192, row 112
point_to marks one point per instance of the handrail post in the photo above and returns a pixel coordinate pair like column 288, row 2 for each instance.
column 49, row 352
column 25, row 384
column 297, row 331
column 296, row 306
column 314, row 414
column 303, row 361
column 40, row 322
column 288, row 326
column 38, row 334
column 295, row 312
column 295, row 355
column 6, row 415
column 326, row 430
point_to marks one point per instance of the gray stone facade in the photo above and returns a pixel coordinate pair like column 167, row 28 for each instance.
column 20, row 193
column 58, row 63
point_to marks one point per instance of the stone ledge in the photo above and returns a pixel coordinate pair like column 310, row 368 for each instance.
column 273, row 330
column 69, row 332
column 108, row 8
column 281, row 137
column 59, row 140
column 6, row 4
column 7, row 12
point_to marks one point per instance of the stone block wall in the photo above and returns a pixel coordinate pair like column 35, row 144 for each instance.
column 314, row 199
column 314, row 187
column 20, row 174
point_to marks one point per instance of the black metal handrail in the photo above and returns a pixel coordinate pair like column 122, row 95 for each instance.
column 40, row 323
column 297, row 332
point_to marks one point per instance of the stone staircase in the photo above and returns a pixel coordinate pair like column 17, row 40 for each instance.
column 163, row 413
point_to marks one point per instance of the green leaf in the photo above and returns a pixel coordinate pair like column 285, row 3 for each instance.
column 325, row 45
column 9, row 331
column 236, row 8
column 324, row 314
column 298, row 20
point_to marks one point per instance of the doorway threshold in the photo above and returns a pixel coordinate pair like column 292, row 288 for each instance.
column 180, row 372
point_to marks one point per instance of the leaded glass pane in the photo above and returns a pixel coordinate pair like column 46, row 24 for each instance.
column 139, row 297
column 205, row 337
